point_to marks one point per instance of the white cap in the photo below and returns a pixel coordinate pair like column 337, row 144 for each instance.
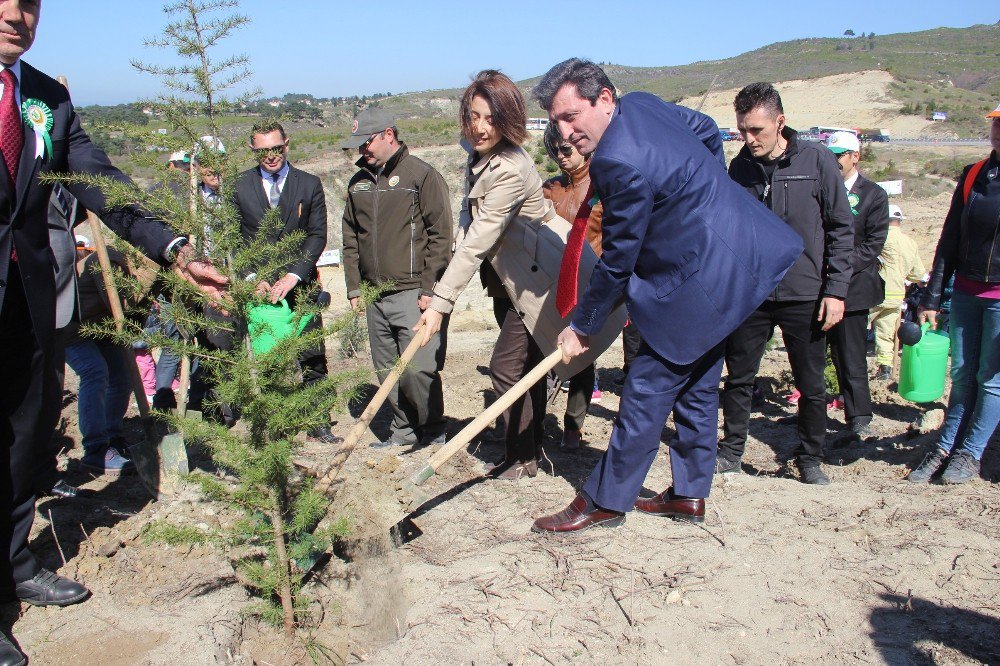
column 842, row 142
column 896, row 213
column 179, row 156
column 212, row 143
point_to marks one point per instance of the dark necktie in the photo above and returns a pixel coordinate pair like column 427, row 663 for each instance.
column 570, row 266
column 11, row 131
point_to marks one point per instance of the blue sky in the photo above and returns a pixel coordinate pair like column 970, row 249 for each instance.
column 330, row 48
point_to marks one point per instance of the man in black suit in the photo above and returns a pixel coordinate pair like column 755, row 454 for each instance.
column 848, row 342
column 299, row 198
column 48, row 138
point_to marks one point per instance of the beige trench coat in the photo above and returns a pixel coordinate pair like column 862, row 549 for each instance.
column 507, row 221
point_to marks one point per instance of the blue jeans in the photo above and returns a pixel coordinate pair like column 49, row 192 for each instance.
column 974, row 405
column 104, row 391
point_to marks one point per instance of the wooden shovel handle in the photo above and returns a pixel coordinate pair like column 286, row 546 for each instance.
column 117, row 312
column 361, row 425
column 476, row 426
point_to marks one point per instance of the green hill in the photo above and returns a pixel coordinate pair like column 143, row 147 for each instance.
column 950, row 69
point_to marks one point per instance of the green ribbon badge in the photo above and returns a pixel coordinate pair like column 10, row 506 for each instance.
column 37, row 114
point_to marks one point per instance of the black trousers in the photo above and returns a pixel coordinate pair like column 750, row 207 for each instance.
column 806, row 345
column 631, row 341
column 514, row 355
column 581, row 393
column 30, row 402
column 848, row 348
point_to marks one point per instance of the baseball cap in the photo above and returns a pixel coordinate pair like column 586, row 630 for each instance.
column 896, row 213
column 368, row 122
column 842, row 142
column 179, row 156
column 210, row 143
column 995, row 113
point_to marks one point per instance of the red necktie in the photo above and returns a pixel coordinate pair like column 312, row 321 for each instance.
column 569, row 269
column 11, row 131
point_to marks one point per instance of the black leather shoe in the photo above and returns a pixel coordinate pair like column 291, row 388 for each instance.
column 813, row 475
column 62, row 490
column 323, row 434
column 49, row 589
column 9, row 654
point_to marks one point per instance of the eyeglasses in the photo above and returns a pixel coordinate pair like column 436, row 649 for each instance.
column 367, row 143
column 565, row 149
column 269, row 151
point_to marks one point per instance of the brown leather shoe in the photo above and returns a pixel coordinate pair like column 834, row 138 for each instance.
column 512, row 472
column 665, row 504
column 577, row 517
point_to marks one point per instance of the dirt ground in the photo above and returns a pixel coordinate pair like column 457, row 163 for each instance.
column 870, row 569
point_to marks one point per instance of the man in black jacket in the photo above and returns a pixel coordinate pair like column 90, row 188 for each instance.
column 301, row 205
column 848, row 342
column 47, row 138
column 800, row 182
column 398, row 235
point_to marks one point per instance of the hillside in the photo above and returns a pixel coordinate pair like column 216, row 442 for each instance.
column 953, row 69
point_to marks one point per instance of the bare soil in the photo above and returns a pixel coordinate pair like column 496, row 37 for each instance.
column 871, row 569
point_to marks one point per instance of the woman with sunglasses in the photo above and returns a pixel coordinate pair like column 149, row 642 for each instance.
column 570, row 193
column 502, row 209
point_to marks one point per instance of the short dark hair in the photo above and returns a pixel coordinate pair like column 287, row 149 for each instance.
column 266, row 127
column 758, row 95
column 552, row 139
column 506, row 105
column 588, row 78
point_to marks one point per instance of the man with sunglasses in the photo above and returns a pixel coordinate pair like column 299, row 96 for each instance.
column 398, row 235
column 298, row 196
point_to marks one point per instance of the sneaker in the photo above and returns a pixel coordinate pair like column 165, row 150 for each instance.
column 110, row 463
column 564, row 387
column 961, row 468
column 932, row 463
column 434, row 440
column 884, row 373
column 813, row 475
column 596, row 395
column 570, row 440
column 391, row 442
column 724, row 465
column 319, row 434
column 793, row 397
column 836, row 402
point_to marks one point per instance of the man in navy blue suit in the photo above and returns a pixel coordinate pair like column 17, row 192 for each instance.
column 691, row 253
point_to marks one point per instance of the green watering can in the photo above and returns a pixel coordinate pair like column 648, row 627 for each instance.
column 268, row 324
column 924, row 366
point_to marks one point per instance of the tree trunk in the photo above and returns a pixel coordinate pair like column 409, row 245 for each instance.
column 278, row 524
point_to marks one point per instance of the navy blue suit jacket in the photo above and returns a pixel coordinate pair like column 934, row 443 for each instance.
column 691, row 252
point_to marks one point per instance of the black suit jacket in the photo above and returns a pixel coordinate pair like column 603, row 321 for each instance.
column 24, row 211
column 302, row 206
column 870, row 205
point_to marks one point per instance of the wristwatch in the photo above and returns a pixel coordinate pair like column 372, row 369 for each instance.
column 175, row 249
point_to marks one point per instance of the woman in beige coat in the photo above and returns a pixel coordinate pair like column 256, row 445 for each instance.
column 500, row 225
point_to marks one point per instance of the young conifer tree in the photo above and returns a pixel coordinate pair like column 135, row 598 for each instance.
column 282, row 510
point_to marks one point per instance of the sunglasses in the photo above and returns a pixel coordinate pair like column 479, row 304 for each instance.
column 565, row 149
column 269, row 151
column 367, row 143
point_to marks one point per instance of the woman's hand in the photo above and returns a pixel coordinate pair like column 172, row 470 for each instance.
column 430, row 320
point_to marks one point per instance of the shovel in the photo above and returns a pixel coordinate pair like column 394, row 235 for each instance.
column 158, row 462
column 359, row 429
column 480, row 422
column 361, row 425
